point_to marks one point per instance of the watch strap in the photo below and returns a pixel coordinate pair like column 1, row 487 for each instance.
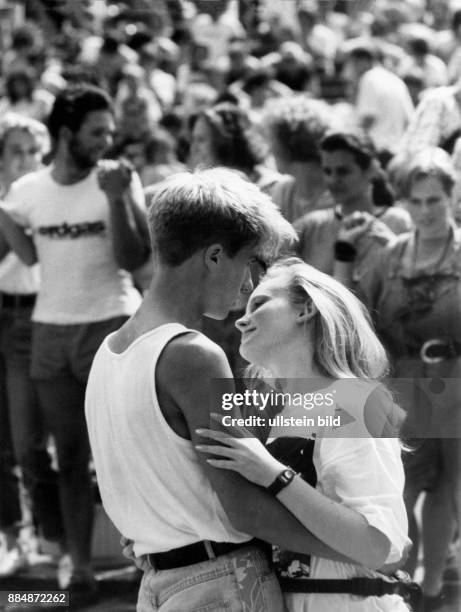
column 282, row 480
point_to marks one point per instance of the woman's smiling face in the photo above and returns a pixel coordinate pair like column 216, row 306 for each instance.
column 270, row 321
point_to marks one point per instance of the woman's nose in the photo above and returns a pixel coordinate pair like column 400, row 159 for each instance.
column 242, row 323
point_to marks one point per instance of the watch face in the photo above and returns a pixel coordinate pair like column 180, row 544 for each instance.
column 287, row 475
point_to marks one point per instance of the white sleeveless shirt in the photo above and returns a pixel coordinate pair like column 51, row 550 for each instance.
column 152, row 485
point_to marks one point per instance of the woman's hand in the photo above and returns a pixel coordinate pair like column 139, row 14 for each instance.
column 245, row 455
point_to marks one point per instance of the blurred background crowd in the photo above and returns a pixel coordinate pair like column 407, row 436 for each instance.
column 335, row 108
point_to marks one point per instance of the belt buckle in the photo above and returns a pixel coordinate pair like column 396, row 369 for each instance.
column 426, row 346
column 209, row 549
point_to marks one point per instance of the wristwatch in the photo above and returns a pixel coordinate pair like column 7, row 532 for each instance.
column 282, row 480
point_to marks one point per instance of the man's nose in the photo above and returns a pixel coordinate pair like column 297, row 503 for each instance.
column 247, row 285
column 425, row 207
column 108, row 140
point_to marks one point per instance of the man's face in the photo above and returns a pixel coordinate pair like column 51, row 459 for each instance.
column 93, row 139
column 231, row 283
column 21, row 154
column 344, row 178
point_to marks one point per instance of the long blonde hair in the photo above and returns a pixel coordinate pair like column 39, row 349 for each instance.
column 345, row 342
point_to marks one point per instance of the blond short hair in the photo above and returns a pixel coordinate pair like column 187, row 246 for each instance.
column 36, row 129
column 191, row 211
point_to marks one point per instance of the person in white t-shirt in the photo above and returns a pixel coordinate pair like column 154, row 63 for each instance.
column 214, row 26
column 23, row 142
column 383, row 104
column 89, row 229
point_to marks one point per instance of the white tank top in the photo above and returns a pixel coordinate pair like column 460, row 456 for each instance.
column 152, row 485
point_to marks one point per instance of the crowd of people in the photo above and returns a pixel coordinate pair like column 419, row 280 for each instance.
column 347, row 117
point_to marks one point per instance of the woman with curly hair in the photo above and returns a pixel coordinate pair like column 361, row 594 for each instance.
column 223, row 135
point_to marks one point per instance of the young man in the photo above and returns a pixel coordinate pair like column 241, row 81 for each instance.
column 149, row 391
column 89, row 226
column 349, row 167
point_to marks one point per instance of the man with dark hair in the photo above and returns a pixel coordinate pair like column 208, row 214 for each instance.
column 362, row 198
column 88, row 223
column 72, row 106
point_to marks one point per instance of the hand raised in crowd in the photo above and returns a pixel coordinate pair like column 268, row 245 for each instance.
column 354, row 226
column 114, row 176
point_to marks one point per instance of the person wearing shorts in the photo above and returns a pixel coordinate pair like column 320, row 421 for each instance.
column 87, row 220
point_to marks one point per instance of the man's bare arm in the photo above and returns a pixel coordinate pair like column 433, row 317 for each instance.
column 130, row 236
column 186, row 370
column 14, row 237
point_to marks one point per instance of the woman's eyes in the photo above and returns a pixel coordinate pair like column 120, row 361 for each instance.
column 257, row 303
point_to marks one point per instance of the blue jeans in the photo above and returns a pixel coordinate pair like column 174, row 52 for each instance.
column 238, row 582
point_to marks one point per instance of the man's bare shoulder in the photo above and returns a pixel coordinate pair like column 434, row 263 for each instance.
column 184, row 377
column 192, row 356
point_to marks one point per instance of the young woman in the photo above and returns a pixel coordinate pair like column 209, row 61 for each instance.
column 305, row 328
column 223, row 135
column 413, row 288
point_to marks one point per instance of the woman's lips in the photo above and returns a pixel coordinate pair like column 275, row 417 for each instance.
column 247, row 333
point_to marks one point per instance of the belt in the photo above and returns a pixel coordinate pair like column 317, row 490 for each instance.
column 17, row 300
column 437, row 350
column 199, row 552
column 362, row 587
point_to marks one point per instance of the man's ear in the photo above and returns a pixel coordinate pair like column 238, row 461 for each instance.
column 213, row 255
column 308, row 312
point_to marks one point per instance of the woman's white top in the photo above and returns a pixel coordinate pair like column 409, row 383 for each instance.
column 364, row 473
